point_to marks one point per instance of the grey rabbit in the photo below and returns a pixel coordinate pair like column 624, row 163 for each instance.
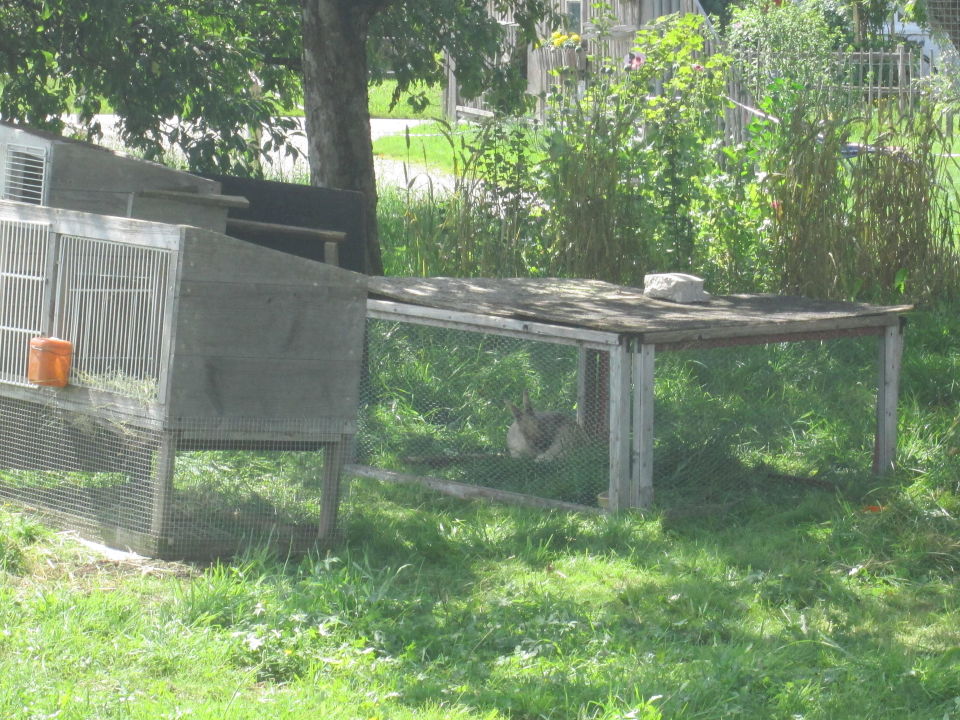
column 541, row 435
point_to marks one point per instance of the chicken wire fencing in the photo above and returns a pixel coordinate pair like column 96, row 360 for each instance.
column 730, row 424
column 437, row 402
column 201, row 492
column 734, row 426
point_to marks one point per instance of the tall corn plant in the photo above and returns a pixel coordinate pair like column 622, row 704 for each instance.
column 859, row 208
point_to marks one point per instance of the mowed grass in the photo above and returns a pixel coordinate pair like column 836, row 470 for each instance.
column 381, row 98
column 455, row 149
column 437, row 609
column 827, row 604
column 436, row 145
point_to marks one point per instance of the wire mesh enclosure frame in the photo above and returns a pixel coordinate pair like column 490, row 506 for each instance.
column 567, row 466
column 212, row 394
column 613, row 372
column 196, row 493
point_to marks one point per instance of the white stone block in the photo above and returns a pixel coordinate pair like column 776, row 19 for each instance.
column 675, row 287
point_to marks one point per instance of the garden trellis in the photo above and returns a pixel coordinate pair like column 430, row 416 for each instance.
column 446, row 354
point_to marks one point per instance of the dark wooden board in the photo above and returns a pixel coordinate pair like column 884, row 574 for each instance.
column 304, row 206
column 613, row 308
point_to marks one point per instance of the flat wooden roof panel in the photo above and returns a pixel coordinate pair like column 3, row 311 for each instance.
column 614, row 308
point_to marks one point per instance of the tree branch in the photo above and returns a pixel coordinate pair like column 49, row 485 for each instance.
column 291, row 63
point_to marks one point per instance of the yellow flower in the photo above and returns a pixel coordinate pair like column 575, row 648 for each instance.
column 575, row 39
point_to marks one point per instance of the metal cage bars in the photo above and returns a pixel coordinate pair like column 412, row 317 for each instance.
column 111, row 303
column 24, row 251
column 24, row 174
column 108, row 298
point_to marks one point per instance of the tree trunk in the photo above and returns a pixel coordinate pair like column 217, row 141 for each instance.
column 339, row 148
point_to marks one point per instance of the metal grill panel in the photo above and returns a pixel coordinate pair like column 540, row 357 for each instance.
column 23, row 256
column 24, row 174
column 111, row 304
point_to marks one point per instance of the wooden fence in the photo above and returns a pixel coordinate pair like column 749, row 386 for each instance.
column 884, row 79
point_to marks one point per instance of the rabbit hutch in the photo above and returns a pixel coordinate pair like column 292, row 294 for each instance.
column 166, row 388
column 756, row 396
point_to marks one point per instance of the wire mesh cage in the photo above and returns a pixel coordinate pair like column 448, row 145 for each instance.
column 212, row 392
column 763, row 423
column 483, row 410
column 732, row 423
column 135, row 485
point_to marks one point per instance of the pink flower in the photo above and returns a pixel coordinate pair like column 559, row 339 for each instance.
column 634, row 61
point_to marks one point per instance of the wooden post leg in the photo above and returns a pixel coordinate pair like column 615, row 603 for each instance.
column 619, row 495
column 891, row 352
column 584, row 384
column 163, row 490
column 593, row 389
column 335, row 457
column 642, row 465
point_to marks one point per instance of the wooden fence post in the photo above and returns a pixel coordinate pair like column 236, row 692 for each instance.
column 618, row 494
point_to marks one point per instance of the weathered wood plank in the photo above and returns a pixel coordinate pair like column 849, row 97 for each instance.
column 761, row 339
column 891, row 352
column 197, row 198
column 619, row 443
column 97, row 403
column 802, row 327
column 236, row 387
column 334, row 457
column 641, row 488
column 268, row 321
column 117, row 229
column 254, row 227
column 464, row 491
column 611, row 308
column 163, row 487
column 475, row 322
column 212, row 257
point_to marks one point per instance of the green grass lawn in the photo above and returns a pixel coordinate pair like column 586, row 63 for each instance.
column 382, row 94
column 436, row 145
column 449, row 148
column 439, row 609
column 822, row 604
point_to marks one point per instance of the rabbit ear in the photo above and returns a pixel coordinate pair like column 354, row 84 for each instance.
column 527, row 405
column 514, row 409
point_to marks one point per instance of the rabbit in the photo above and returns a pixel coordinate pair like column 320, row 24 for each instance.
column 541, row 435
